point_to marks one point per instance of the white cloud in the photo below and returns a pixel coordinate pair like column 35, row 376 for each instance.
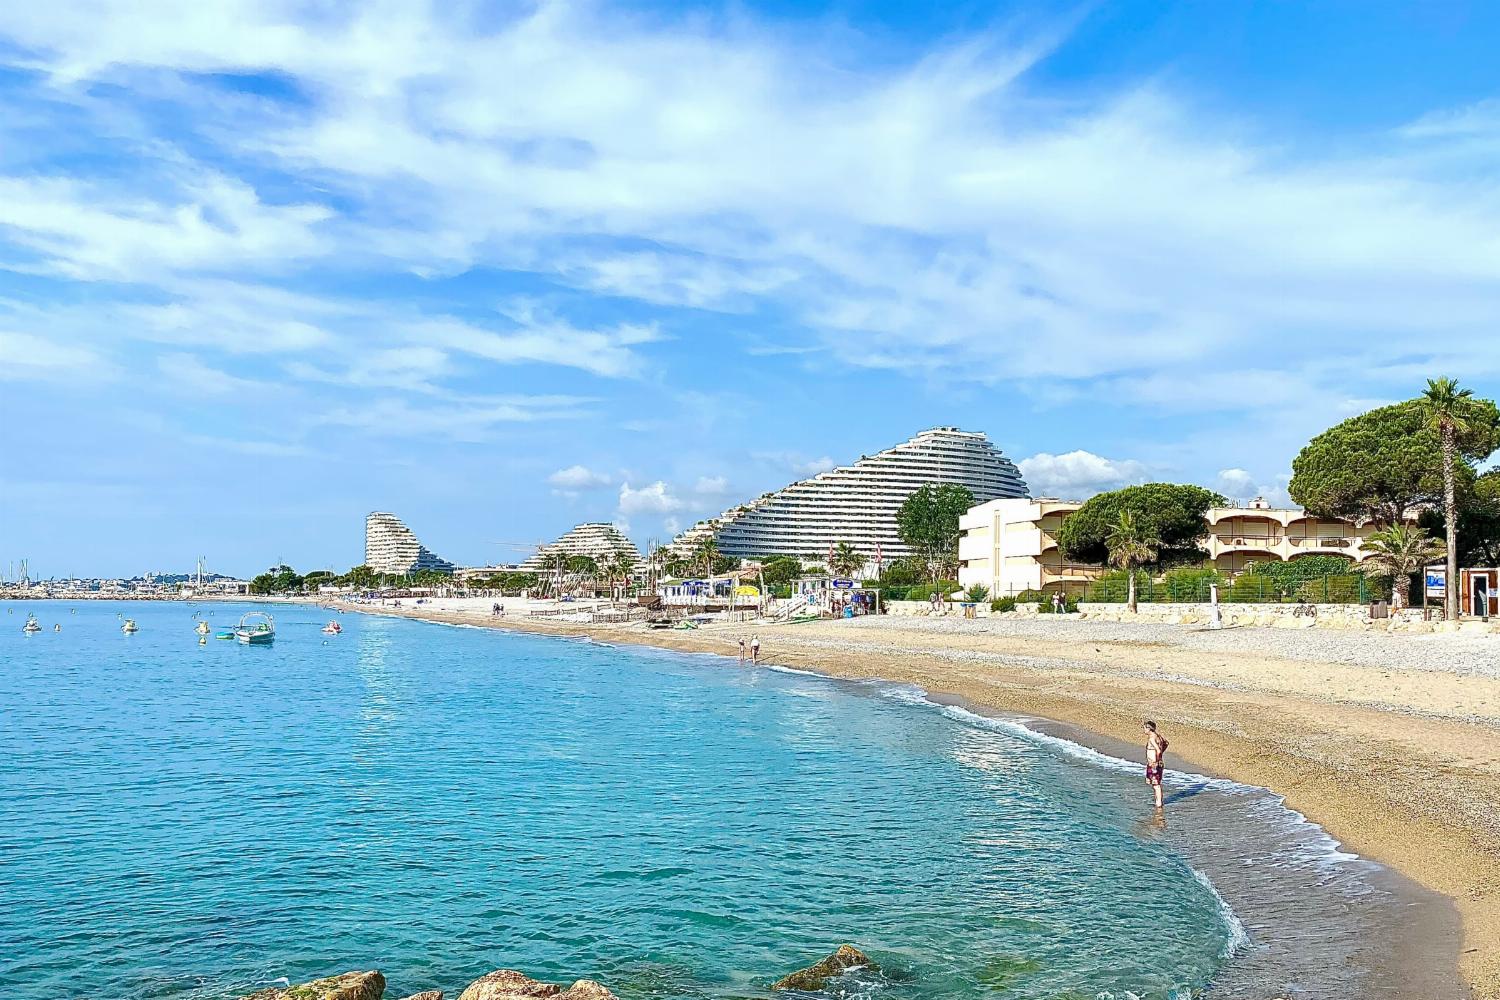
column 576, row 478
column 983, row 244
column 25, row 355
column 1078, row 475
column 1125, row 244
column 470, row 419
column 657, row 498
column 799, row 464
column 711, row 487
column 1240, row 486
column 1237, row 484
column 92, row 232
column 190, row 372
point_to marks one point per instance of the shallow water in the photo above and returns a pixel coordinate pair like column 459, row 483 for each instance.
column 185, row 820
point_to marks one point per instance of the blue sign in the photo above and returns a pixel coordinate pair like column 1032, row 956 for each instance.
column 844, row 584
column 1435, row 580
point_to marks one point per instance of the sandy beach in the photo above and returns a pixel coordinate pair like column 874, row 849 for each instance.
column 1391, row 743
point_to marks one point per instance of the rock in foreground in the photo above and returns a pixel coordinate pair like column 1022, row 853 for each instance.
column 349, row 986
column 508, row 984
column 815, row 977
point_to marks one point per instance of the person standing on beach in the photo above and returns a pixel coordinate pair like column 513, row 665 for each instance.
column 755, row 649
column 742, row 651
column 1156, row 753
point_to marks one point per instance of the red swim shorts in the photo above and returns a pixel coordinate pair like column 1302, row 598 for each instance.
column 1153, row 774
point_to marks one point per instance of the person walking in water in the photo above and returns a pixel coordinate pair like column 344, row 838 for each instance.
column 742, row 651
column 1156, row 753
column 755, row 649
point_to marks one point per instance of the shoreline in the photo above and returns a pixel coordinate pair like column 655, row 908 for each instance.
column 1422, row 857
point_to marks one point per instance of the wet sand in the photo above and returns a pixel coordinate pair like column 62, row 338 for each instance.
column 1401, row 766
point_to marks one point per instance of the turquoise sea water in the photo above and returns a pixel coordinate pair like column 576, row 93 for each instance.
column 195, row 821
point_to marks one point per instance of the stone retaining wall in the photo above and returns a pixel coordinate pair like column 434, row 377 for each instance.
column 1332, row 616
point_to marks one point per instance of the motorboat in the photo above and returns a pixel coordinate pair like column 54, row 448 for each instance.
column 256, row 628
column 332, row 628
column 202, row 628
column 32, row 625
column 130, row 627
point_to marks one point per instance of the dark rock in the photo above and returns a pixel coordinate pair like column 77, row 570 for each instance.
column 505, row 984
column 815, row 977
column 349, row 986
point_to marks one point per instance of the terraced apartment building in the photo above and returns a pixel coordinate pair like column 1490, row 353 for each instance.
column 391, row 547
column 858, row 503
column 600, row 541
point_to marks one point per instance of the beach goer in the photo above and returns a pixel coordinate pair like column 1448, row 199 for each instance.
column 1156, row 753
column 742, row 650
column 755, row 649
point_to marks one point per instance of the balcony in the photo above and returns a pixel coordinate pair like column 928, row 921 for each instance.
column 1323, row 543
column 1266, row 543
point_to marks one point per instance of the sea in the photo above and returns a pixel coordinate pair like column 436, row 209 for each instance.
column 195, row 819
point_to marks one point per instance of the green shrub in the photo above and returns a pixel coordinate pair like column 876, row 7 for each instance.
column 1189, row 584
column 1028, row 597
column 1113, row 587
column 978, row 592
column 894, row 594
column 1003, row 604
column 1297, row 571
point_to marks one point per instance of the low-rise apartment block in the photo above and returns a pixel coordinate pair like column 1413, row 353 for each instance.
column 1011, row 545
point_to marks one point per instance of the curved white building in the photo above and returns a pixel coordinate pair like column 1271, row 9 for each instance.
column 858, row 503
column 599, row 541
column 390, row 547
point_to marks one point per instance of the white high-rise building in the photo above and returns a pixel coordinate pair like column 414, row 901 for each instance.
column 390, row 547
column 599, row 541
column 858, row 503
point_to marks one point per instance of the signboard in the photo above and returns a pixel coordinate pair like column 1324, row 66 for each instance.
column 844, row 584
column 1435, row 578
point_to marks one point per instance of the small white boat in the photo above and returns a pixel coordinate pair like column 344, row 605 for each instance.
column 130, row 626
column 201, row 628
column 256, row 629
column 32, row 625
column 332, row 628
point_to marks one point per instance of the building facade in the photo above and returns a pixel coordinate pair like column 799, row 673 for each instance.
column 1011, row 545
column 858, row 503
column 390, row 547
column 601, row 542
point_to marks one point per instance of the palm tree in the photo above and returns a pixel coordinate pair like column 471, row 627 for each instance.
column 1398, row 552
column 1131, row 544
column 619, row 568
column 705, row 554
column 846, row 560
column 1448, row 409
column 554, row 563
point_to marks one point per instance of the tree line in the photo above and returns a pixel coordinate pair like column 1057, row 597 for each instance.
column 1421, row 456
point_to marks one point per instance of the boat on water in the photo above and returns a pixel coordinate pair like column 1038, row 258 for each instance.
column 201, row 628
column 130, row 626
column 256, row 629
column 32, row 625
column 332, row 628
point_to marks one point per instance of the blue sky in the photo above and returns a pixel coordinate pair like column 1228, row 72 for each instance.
column 266, row 266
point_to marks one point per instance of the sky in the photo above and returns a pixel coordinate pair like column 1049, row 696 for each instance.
column 502, row 268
